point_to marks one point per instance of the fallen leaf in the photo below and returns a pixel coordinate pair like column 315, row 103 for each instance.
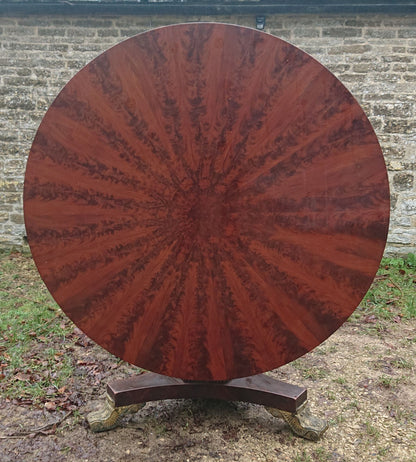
column 370, row 319
column 50, row 405
column 22, row 377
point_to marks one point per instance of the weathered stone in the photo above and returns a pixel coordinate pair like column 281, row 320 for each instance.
column 16, row 46
column 342, row 32
column 400, row 126
column 19, row 31
column 306, row 32
column 365, row 68
column 53, row 31
column 76, row 64
column 21, row 102
column 39, row 21
column 349, row 49
column 17, row 218
column 400, row 236
column 398, row 49
column 93, row 23
column 76, row 32
column 395, row 165
column 403, row 181
column 11, row 185
column 409, row 206
column 407, row 33
column 58, row 47
column 402, row 221
column 380, row 33
column 394, row 109
column 404, row 67
column 397, row 59
column 22, row 81
column 367, row 22
column 108, row 33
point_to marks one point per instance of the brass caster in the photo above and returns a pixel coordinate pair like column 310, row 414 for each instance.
column 110, row 416
column 302, row 422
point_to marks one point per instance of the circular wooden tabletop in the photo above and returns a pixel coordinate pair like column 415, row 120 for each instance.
column 206, row 201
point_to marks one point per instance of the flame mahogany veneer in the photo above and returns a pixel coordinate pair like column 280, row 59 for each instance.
column 206, row 201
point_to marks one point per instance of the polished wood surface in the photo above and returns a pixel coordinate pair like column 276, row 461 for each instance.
column 206, row 201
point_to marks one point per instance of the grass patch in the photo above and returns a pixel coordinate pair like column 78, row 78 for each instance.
column 33, row 335
column 387, row 381
column 402, row 363
column 392, row 296
column 372, row 431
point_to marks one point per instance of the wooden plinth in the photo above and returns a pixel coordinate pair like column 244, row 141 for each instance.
column 258, row 389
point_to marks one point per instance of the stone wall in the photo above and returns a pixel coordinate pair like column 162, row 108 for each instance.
column 374, row 56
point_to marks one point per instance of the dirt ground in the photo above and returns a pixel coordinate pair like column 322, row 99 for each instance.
column 362, row 380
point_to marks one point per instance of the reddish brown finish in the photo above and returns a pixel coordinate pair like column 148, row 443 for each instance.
column 259, row 389
column 206, row 201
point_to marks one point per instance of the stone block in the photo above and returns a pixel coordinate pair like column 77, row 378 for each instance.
column 19, row 31
column 108, row 33
column 52, row 31
column 22, row 81
column 400, row 236
column 406, row 222
column 342, row 32
column 39, row 21
column 394, row 109
column 400, row 126
column 17, row 219
column 350, row 49
column 64, row 47
column 77, row 32
column 407, row 33
column 403, row 181
column 93, row 23
column 409, row 205
column 306, row 32
column 380, row 33
column 21, row 101
column 25, row 46
column 397, row 59
column 395, row 165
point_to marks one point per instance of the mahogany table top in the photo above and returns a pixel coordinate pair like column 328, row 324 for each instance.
column 206, row 201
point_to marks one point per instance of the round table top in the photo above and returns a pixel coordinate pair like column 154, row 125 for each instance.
column 206, row 201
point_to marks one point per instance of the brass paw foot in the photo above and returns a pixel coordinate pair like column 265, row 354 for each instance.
column 110, row 416
column 302, row 422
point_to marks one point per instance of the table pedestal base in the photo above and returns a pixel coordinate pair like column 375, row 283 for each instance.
column 280, row 399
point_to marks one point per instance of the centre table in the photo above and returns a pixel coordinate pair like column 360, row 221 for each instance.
column 208, row 202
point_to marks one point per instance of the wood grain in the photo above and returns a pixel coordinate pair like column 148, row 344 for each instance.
column 206, row 201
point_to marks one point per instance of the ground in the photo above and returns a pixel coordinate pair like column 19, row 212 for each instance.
column 362, row 380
